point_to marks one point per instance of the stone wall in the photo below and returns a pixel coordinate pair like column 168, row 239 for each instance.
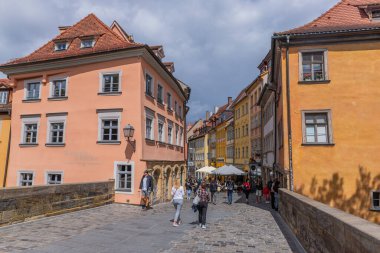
column 320, row 228
column 22, row 203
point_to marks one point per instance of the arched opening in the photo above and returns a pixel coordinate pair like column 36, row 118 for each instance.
column 157, row 186
column 168, row 184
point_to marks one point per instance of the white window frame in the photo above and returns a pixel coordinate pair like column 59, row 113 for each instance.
column 101, row 80
column 25, row 171
column 109, row 116
column 170, row 140
column 33, row 120
column 47, row 173
column 149, row 114
column 6, row 92
column 51, row 85
column 152, row 84
column 26, row 82
column 325, row 63
column 372, row 207
column 161, row 120
column 55, row 119
column 176, row 134
column 60, row 42
column 131, row 163
column 87, row 39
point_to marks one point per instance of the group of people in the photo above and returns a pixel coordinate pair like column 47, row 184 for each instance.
column 206, row 191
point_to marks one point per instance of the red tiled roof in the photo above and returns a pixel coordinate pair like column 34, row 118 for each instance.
column 345, row 15
column 90, row 26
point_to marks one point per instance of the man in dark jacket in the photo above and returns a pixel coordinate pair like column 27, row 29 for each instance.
column 213, row 190
column 146, row 187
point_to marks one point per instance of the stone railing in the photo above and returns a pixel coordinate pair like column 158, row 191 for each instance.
column 320, row 228
column 22, row 203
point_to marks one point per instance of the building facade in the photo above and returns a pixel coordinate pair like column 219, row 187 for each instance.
column 242, row 133
column 76, row 98
column 5, row 127
column 191, row 143
column 230, row 139
column 325, row 74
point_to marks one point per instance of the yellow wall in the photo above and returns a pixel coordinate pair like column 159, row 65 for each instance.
column 342, row 174
column 221, row 144
column 5, row 125
column 244, row 139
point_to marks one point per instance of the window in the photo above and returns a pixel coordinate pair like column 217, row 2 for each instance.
column 111, row 82
column 58, row 88
column 180, row 112
column 181, row 137
column 375, row 200
column 108, row 127
column 376, row 14
column 26, row 179
column 316, row 127
column 87, row 43
column 32, row 90
column 54, row 178
column 313, row 66
column 175, row 108
column 30, row 135
column 161, row 129
column 124, row 175
column 176, row 135
column 169, row 102
column 148, row 84
column 60, row 46
column 170, row 133
column 56, row 132
column 3, row 97
column 160, row 98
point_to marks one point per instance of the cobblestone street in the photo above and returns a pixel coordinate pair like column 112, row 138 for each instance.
column 125, row 228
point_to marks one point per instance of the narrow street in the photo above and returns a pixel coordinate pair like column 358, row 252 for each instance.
column 125, row 228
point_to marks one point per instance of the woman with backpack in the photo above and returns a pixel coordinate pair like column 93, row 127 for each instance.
column 230, row 190
column 247, row 190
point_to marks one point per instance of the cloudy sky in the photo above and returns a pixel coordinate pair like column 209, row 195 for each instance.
column 216, row 44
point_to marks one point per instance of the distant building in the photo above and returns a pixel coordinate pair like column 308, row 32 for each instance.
column 5, row 127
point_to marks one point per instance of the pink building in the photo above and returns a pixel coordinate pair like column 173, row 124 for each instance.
column 73, row 97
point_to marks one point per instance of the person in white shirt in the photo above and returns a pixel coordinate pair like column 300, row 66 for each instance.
column 177, row 198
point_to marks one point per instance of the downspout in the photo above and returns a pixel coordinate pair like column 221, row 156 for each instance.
column 290, row 147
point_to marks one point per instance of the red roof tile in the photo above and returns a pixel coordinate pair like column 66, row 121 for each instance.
column 5, row 82
column 90, row 26
column 345, row 15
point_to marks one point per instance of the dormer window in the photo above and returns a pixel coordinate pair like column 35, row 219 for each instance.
column 87, row 43
column 60, row 46
column 3, row 97
column 376, row 15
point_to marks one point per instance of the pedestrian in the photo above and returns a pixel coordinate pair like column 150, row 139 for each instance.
column 146, row 186
column 177, row 199
column 270, row 186
column 230, row 190
column 204, row 198
column 188, row 189
column 266, row 193
column 276, row 186
column 213, row 190
column 247, row 190
column 259, row 190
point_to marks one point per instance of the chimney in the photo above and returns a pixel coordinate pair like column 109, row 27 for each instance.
column 229, row 100
column 63, row 28
column 216, row 109
column 207, row 115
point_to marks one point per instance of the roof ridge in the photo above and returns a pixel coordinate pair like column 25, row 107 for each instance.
column 108, row 28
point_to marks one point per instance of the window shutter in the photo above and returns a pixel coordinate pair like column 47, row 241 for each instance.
column 300, row 71
column 325, row 64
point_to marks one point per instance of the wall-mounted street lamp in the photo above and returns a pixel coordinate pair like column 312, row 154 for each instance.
column 128, row 134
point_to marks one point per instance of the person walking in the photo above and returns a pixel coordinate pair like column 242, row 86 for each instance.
column 230, row 190
column 204, row 198
column 266, row 194
column 259, row 190
column 247, row 190
column 146, row 187
column 177, row 199
column 213, row 190
column 276, row 186
column 188, row 188
column 270, row 186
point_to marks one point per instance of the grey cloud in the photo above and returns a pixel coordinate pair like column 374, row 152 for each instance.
column 216, row 45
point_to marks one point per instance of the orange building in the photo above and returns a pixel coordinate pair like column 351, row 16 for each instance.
column 74, row 96
column 5, row 127
column 328, row 118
